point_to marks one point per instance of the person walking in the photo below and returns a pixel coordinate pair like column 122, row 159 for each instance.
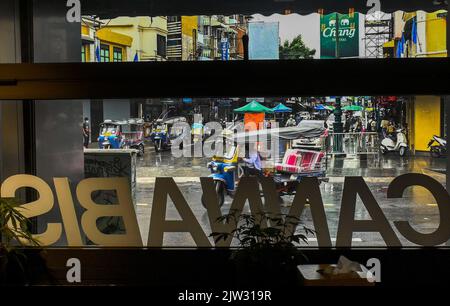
column 86, row 132
column 291, row 121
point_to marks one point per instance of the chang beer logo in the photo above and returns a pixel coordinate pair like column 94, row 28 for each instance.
column 348, row 35
column 347, row 28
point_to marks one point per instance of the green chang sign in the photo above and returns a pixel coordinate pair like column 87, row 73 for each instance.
column 348, row 35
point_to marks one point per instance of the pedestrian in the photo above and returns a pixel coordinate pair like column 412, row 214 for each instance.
column 291, row 121
column 86, row 132
column 347, row 125
column 384, row 126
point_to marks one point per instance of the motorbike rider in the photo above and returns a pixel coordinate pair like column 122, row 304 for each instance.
column 253, row 164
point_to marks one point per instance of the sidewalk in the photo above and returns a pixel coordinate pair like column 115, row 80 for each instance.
column 388, row 166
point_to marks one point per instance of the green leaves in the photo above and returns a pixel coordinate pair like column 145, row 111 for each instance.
column 263, row 231
column 14, row 226
column 296, row 49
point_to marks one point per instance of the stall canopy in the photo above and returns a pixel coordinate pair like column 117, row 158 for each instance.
column 253, row 107
column 254, row 115
column 320, row 107
column 354, row 108
column 281, row 108
column 112, row 8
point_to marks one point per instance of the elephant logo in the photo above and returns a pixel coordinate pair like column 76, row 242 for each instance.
column 345, row 22
column 332, row 23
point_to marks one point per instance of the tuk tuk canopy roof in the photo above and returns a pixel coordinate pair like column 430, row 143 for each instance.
column 253, row 107
column 115, row 8
column 281, row 108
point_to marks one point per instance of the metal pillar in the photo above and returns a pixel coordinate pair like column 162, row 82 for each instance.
column 337, row 125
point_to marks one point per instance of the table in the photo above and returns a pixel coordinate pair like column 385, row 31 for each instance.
column 313, row 278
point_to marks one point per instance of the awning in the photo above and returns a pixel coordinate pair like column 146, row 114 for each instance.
column 253, row 107
column 114, row 8
column 281, row 108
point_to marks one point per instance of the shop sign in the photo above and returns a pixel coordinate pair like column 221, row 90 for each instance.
column 224, row 102
column 348, row 35
column 225, row 47
column 248, row 191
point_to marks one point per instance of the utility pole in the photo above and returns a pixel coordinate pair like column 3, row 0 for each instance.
column 337, row 125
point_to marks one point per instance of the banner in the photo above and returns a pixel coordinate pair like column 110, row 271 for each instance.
column 348, row 35
column 263, row 40
column 225, row 47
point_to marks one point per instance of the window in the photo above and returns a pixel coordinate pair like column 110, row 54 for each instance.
column 104, row 53
column 161, row 45
column 117, row 54
column 174, row 42
column 173, row 36
column 83, row 53
column 173, row 19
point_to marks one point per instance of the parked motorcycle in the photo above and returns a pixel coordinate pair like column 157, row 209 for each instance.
column 440, row 149
column 391, row 144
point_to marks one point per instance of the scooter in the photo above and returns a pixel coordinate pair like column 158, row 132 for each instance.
column 400, row 145
column 440, row 149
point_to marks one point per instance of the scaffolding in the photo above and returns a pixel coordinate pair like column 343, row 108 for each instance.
column 378, row 30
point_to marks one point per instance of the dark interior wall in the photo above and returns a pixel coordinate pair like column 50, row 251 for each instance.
column 11, row 141
column 58, row 124
column 9, row 32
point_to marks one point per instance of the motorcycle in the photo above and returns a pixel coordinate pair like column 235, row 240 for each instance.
column 400, row 144
column 440, row 149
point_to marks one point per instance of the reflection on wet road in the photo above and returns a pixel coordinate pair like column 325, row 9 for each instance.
column 417, row 206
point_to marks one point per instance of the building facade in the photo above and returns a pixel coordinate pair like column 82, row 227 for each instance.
column 149, row 36
column 421, row 35
column 120, row 39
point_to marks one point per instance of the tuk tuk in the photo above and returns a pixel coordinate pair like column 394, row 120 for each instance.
column 122, row 134
column 286, row 170
column 163, row 132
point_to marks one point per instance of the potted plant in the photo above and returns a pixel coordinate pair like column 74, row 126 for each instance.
column 14, row 235
column 267, row 250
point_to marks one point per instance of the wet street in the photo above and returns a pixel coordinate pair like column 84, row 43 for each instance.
column 417, row 206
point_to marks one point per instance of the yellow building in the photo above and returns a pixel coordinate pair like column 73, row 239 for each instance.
column 103, row 44
column 189, row 27
column 114, row 47
column 424, row 120
column 149, row 36
column 424, row 35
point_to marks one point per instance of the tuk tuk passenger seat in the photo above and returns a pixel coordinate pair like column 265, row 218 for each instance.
column 290, row 162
